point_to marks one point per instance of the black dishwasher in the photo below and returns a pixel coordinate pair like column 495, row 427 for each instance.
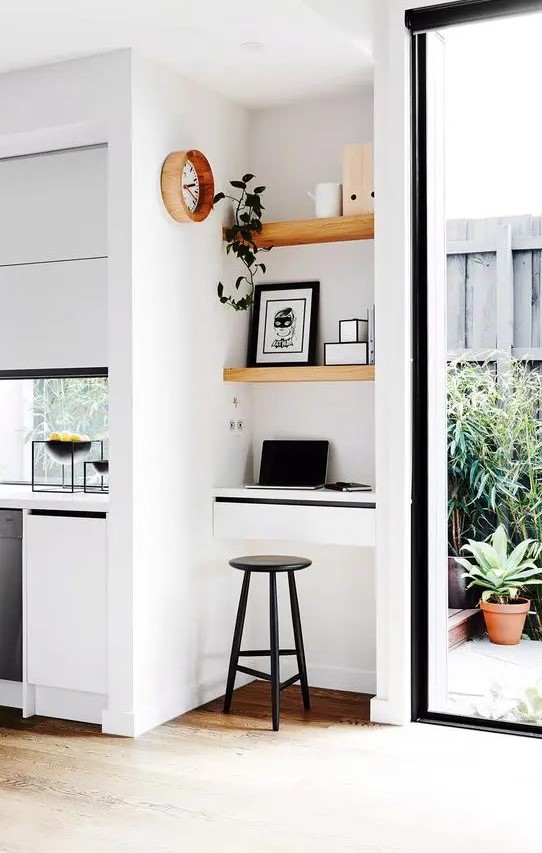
column 11, row 595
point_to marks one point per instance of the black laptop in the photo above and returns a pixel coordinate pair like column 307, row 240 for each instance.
column 293, row 464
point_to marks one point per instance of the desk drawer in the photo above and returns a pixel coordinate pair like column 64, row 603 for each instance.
column 295, row 523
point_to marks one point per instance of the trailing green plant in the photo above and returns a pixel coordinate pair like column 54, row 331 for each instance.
column 502, row 575
column 248, row 210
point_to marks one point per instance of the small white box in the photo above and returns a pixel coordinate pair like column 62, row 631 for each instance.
column 345, row 353
column 353, row 331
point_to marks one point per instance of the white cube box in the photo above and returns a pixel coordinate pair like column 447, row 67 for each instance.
column 345, row 353
column 353, row 331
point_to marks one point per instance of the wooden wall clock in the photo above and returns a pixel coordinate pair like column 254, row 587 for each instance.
column 188, row 186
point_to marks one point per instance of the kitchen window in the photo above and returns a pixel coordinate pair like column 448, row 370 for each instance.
column 34, row 406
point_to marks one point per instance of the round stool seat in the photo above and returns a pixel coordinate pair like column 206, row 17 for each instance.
column 270, row 563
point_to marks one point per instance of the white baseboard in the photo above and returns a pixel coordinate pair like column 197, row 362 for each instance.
column 384, row 711
column 11, row 694
column 341, row 678
column 69, row 704
column 119, row 723
column 134, row 724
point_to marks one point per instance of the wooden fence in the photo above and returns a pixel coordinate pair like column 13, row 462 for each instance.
column 494, row 287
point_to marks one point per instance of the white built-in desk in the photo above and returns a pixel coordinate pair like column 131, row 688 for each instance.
column 321, row 516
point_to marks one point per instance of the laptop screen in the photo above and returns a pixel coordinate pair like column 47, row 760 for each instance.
column 294, row 463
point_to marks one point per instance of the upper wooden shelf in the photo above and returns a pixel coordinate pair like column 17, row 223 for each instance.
column 319, row 373
column 301, row 232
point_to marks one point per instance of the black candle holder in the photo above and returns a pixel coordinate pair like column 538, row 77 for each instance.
column 66, row 453
column 101, row 467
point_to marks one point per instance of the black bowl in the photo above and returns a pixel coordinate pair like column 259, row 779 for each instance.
column 61, row 451
column 101, row 466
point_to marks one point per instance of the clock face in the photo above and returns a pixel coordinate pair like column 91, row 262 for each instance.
column 190, row 186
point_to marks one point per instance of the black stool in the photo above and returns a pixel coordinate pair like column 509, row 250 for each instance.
column 272, row 565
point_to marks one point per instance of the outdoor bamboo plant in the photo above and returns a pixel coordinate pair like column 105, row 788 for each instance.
column 494, row 451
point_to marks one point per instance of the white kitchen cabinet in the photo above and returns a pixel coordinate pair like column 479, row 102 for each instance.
column 51, row 297
column 66, row 601
column 53, row 206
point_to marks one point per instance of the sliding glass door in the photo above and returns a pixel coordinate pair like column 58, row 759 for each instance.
column 477, row 353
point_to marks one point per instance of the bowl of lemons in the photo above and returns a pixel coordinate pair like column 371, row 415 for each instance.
column 63, row 446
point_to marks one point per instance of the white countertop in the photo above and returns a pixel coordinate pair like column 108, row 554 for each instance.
column 305, row 495
column 22, row 497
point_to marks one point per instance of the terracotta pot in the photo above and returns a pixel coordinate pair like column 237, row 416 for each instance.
column 459, row 597
column 504, row 622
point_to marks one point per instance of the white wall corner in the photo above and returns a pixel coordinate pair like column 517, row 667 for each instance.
column 121, row 723
column 393, row 385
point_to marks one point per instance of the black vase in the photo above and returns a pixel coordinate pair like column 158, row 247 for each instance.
column 459, row 597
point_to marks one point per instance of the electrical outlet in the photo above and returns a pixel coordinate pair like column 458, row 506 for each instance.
column 240, row 425
column 231, row 426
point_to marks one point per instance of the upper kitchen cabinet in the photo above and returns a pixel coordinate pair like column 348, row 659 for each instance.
column 53, row 206
column 53, row 315
column 53, row 260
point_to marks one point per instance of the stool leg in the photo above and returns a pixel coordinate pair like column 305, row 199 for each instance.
column 298, row 637
column 236, row 645
column 274, row 644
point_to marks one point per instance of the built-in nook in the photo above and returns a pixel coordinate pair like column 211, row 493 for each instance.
column 292, row 148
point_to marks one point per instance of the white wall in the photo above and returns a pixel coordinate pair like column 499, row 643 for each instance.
column 291, row 149
column 66, row 105
column 185, row 593
column 393, row 387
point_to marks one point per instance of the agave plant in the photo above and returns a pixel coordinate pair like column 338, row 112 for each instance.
column 502, row 575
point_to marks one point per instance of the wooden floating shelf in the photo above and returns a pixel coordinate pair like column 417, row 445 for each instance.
column 302, row 232
column 321, row 373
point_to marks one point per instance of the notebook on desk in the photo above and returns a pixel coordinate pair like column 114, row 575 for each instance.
column 292, row 464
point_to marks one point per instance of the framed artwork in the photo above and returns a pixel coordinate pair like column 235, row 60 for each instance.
column 284, row 324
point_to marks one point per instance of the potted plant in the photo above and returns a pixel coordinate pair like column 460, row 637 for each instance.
column 502, row 576
column 494, row 459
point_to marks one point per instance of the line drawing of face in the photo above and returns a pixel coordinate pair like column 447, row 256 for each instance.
column 284, row 326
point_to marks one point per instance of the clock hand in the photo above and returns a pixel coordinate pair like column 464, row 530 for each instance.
column 186, row 187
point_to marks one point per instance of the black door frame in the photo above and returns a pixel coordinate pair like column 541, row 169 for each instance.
column 418, row 20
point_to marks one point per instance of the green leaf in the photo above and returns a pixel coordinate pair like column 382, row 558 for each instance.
column 239, row 185
column 518, row 553
column 483, row 553
column 238, row 282
column 259, row 190
column 220, row 289
column 218, row 197
column 247, row 177
column 263, row 268
column 499, row 541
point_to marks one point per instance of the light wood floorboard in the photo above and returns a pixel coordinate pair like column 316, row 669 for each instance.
column 203, row 781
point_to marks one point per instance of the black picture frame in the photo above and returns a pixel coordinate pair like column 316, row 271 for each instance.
column 286, row 355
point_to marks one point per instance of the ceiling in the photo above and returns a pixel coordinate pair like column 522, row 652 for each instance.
column 303, row 47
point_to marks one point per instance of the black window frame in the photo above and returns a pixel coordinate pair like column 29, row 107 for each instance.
column 419, row 519
column 466, row 11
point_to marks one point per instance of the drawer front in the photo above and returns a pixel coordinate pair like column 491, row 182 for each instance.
column 320, row 524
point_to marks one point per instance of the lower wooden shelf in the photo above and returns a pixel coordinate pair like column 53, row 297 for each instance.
column 319, row 373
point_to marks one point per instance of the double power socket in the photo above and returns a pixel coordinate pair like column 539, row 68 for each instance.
column 236, row 426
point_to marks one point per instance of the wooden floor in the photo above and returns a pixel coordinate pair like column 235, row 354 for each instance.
column 204, row 782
